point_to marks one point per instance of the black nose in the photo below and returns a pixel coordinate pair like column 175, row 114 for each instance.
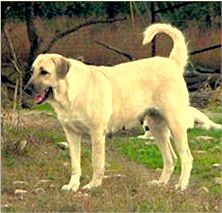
column 146, row 128
column 29, row 89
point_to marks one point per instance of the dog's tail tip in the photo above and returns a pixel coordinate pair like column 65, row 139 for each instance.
column 179, row 53
column 152, row 30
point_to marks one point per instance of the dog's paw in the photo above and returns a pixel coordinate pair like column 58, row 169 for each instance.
column 154, row 183
column 145, row 137
column 180, row 188
column 91, row 185
column 142, row 137
column 87, row 187
column 68, row 188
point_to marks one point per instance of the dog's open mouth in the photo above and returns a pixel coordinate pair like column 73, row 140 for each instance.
column 43, row 95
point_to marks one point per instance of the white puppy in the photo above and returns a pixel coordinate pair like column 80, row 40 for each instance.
column 199, row 119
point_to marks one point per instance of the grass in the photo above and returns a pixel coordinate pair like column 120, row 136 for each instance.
column 136, row 149
column 44, row 107
column 136, row 162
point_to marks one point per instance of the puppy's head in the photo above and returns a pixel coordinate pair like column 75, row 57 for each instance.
column 47, row 70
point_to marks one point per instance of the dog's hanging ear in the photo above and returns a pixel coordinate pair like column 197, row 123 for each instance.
column 62, row 66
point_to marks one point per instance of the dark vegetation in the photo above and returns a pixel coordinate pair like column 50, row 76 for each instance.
column 200, row 11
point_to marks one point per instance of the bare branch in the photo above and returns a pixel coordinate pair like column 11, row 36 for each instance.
column 12, row 49
column 128, row 56
column 60, row 35
column 16, row 65
column 206, row 49
column 15, row 95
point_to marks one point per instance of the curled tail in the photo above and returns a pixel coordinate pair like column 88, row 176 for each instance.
column 179, row 53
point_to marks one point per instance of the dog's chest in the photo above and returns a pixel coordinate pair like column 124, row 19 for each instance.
column 75, row 123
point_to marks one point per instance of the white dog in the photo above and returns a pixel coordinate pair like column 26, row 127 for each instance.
column 95, row 99
column 199, row 119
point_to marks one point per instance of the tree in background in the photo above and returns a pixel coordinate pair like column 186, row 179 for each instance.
column 28, row 11
column 206, row 13
column 201, row 11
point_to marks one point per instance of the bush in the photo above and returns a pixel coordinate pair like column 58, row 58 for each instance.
column 201, row 11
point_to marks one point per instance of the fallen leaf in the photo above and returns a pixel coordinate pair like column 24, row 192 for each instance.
column 20, row 191
column 204, row 138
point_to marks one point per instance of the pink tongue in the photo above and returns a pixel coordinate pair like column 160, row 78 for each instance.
column 40, row 97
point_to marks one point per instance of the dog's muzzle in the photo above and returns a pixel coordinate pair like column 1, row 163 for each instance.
column 38, row 96
column 29, row 90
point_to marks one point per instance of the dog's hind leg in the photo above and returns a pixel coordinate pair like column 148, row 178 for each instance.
column 179, row 133
column 74, row 140
column 161, row 133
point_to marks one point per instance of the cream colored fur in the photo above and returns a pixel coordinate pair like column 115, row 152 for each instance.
column 94, row 100
column 199, row 119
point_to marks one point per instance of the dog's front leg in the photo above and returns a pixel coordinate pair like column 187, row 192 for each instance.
column 74, row 140
column 98, row 159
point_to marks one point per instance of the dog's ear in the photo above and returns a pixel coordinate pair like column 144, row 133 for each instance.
column 62, row 66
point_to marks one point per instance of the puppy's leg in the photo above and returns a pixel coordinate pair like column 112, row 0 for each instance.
column 147, row 135
column 179, row 132
column 74, row 140
column 202, row 120
column 161, row 134
column 98, row 159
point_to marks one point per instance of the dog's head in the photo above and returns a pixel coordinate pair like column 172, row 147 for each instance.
column 47, row 70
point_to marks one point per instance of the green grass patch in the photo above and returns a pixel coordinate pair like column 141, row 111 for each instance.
column 46, row 107
column 136, row 149
column 10, row 161
column 205, row 153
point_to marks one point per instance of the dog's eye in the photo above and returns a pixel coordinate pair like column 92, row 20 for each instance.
column 44, row 72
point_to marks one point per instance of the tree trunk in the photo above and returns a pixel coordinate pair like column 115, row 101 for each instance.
column 33, row 38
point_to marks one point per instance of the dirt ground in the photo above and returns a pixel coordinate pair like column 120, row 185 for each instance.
column 44, row 168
